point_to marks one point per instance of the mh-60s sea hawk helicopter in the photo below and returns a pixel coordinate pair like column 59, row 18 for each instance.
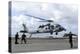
column 48, row 27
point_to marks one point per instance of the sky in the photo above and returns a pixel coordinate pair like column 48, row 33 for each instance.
column 64, row 14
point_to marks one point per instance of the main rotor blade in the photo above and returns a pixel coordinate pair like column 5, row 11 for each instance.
column 42, row 21
column 47, row 21
column 35, row 17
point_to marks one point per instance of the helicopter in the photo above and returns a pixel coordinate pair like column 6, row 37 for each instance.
column 48, row 28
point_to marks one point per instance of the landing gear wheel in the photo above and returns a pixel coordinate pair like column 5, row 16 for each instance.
column 56, row 33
